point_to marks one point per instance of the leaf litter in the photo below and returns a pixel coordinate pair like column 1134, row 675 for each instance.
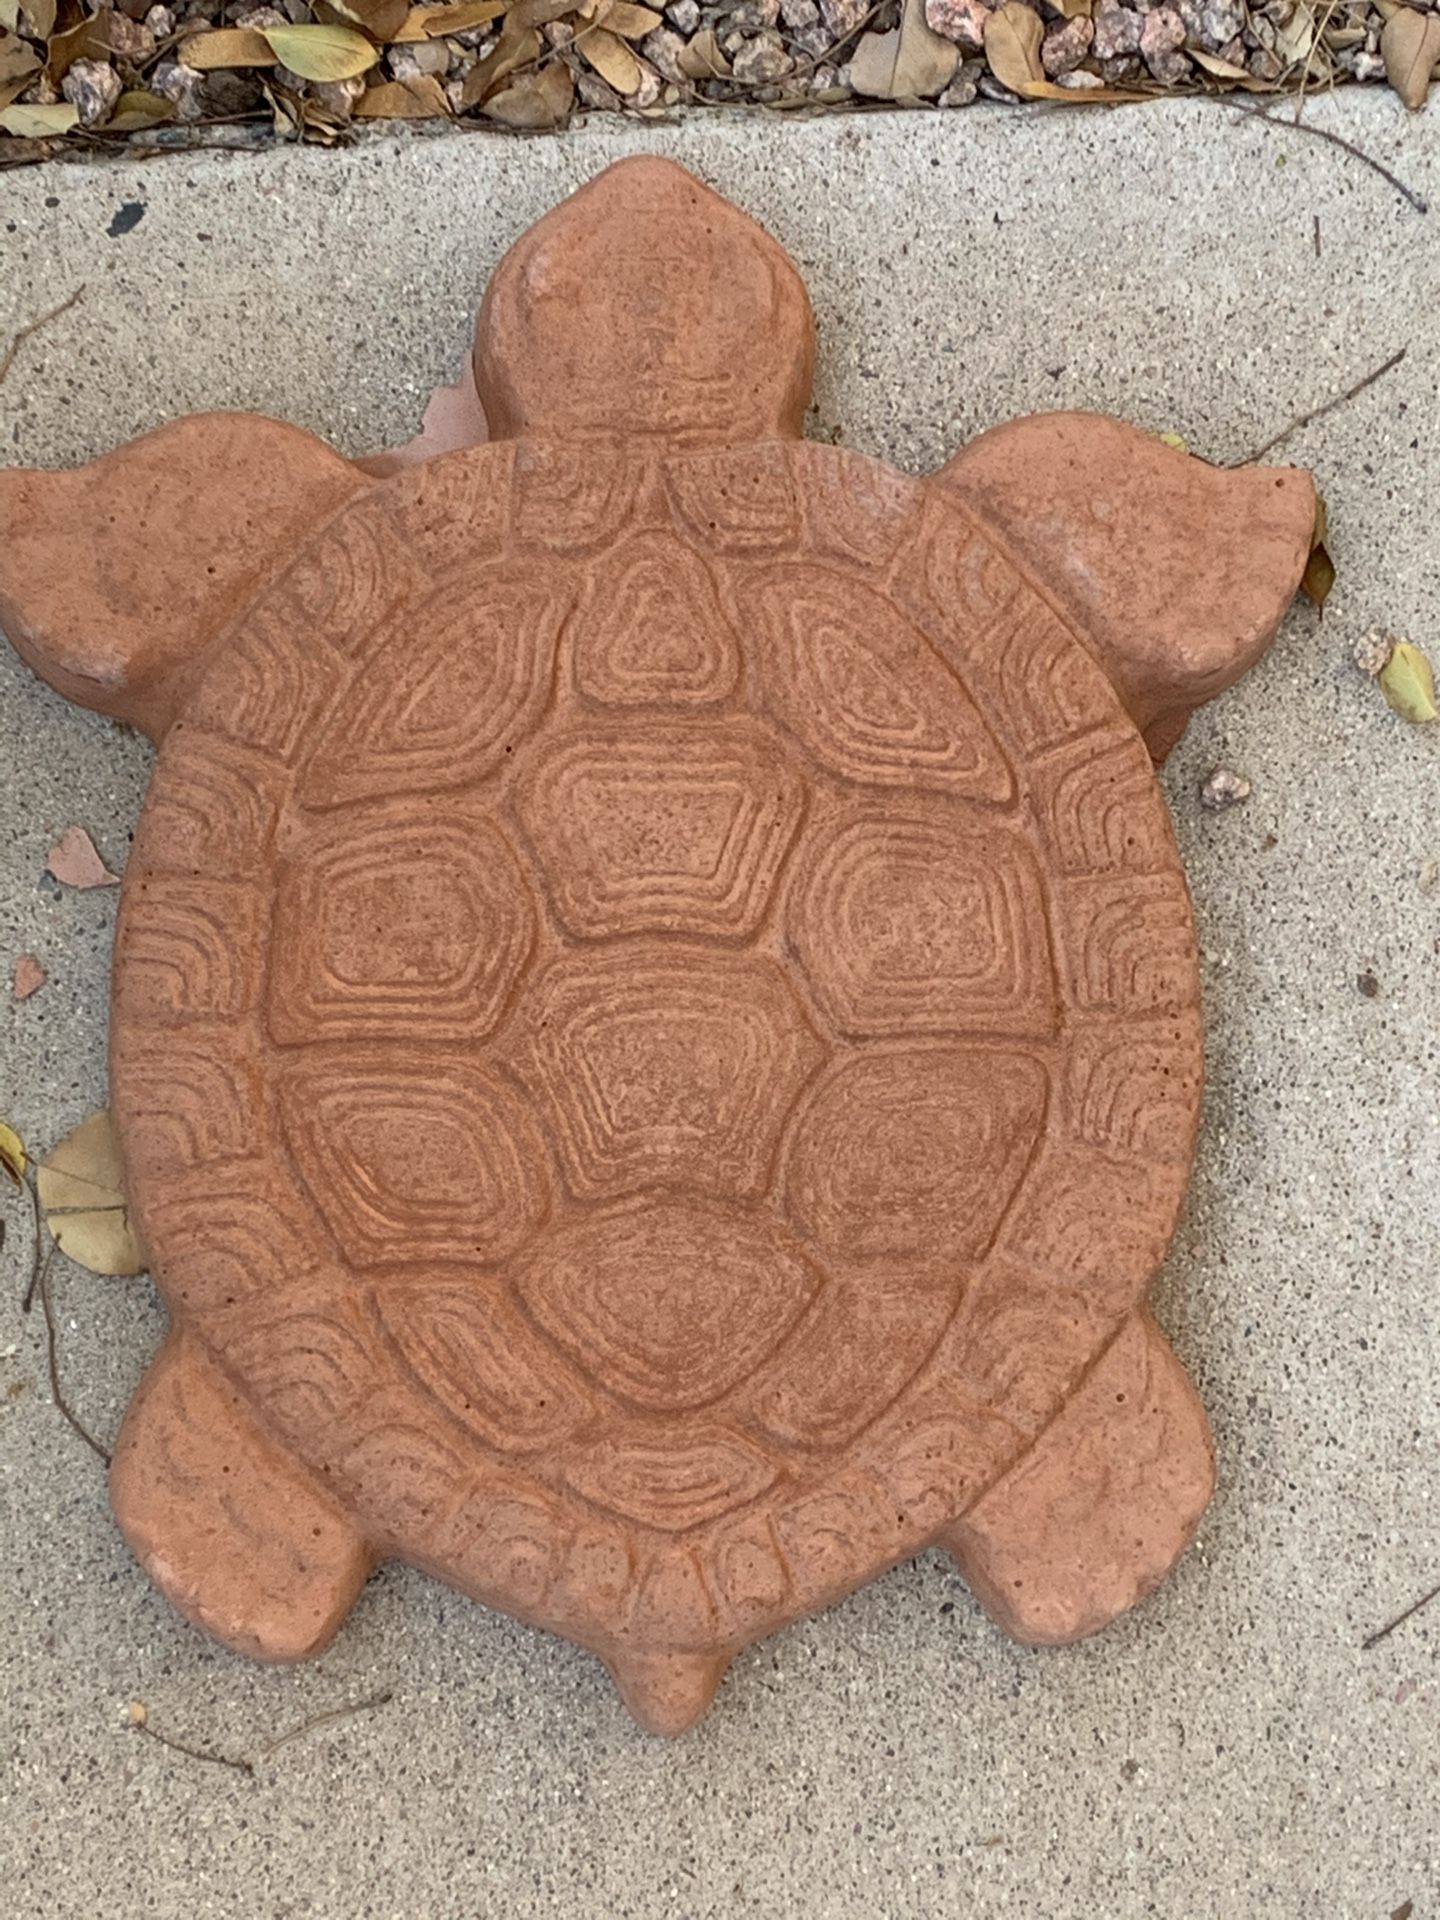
column 93, row 70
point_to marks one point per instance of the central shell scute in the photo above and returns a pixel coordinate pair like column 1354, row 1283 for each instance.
column 670, row 1304
column 663, row 828
column 916, row 920
column 664, row 1064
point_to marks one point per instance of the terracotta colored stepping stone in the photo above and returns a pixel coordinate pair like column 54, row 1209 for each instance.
column 655, row 1027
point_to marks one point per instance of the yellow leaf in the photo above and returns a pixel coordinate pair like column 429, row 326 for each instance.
column 611, row 59
column 12, row 1154
column 1409, row 685
column 226, row 47
column 322, row 53
column 630, row 22
column 80, row 1184
column 139, row 108
column 39, row 123
column 1175, row 440
column 1410, row 47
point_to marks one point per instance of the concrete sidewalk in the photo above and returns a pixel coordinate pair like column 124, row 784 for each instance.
column 1227, row 1750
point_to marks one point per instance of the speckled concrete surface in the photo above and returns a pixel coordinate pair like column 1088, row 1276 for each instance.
column 1229, row 1749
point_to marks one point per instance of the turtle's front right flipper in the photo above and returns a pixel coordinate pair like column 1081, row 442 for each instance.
column 115, row 577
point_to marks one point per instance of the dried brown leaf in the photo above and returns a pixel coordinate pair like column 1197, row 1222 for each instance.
column 702, row 58
column 17, row 60
column 322, row 53
column 535, row 100
column 28, row 977
column 75, row 862
column 41, row 16
column 610, row 57
column 911, row 62
column 419, row 98
column 226, row 47
column 630, row 22
column 381, row 19
column 80, row 1184
column 1012, row 49
column 1410, row 47
column 427, row 23
column 518, row 46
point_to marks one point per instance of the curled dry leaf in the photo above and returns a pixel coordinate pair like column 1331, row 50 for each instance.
column 535, row 100
column 322, row 53
column 75, row 862
column 1408, row 684
column 702, row 58
column 1319, row 575
column 226, row 47
column 137, row 109
column 28, row 977
column 12, row 1154
column 1410, row 47
column 80, row 1184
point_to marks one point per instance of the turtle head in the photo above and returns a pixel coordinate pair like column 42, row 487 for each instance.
column 646, row 306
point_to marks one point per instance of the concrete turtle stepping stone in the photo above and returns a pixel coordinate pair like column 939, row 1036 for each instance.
column 655, row 1026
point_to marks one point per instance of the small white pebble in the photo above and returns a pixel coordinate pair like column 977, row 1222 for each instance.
column 1224, row 789
column 1371, row 651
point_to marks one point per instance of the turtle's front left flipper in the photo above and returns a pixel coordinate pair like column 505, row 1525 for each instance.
column 1102, row 1505
column 237, row 1536
column 116, row 576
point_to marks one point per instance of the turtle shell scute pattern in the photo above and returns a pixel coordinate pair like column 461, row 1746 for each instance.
column 656, row 1024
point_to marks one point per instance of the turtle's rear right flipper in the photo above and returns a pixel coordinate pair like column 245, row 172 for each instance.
column 1104, row 1502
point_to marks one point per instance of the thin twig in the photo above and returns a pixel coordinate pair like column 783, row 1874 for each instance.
column 34, row 326
column 35, row 1260
column 381, row 1699
column 1319, row 413
column 1418, row 201
column 195, row 1753
column 1382, row 1633
column 59, row 1398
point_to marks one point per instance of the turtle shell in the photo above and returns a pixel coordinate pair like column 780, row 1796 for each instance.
column 656, row 1025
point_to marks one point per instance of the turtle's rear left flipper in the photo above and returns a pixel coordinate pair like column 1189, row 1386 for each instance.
column 236, row 1535
column 1103, row 1504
